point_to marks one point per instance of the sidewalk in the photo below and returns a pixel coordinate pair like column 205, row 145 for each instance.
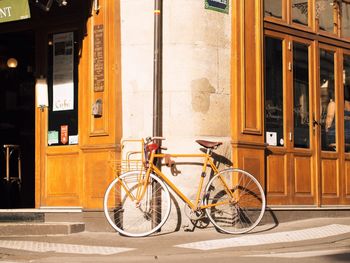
column 291, row 236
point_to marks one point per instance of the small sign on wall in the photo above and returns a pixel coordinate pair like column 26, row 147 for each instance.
column 218, row 5
column 52, row 137
column 271, row 138
column 98, row 58
column 11, row 10
column 64, row 134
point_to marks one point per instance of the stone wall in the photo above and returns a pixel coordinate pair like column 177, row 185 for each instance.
column 196, row 77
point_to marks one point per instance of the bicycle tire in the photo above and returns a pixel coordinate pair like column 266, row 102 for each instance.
column 241, row 213
column 127, row 217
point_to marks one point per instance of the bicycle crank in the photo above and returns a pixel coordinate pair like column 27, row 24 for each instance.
column 194, row 214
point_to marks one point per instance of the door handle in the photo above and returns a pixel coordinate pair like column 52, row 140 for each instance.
column 314, row 123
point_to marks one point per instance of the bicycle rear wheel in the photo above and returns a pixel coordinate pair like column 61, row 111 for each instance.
column 129, row 217
column 236, row 200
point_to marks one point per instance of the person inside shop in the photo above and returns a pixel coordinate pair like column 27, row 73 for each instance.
column 330, row 123
column 330, row 119
column 347, row 114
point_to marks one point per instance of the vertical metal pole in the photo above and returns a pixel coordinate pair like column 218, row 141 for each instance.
column 157, row 69
column 157, row 100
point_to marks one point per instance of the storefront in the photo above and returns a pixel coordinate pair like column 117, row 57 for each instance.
column 66, row 132
column 300, row 94
column 290, row 66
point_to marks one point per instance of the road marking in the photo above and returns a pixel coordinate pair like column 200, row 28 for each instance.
column 34, row 246
column 303, row 254
column 273, row 238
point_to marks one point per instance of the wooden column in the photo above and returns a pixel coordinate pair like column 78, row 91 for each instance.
column 100, row 78
column 247, row 87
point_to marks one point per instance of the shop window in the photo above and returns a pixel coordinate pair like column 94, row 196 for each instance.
column 63, row 90
column 274, row 91
column 300, row 12
column 347, row 102
column 328, row 101
column 273, row 8
column 345, row 18
column 301, row 95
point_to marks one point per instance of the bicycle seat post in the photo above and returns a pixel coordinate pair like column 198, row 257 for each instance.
column 209, row 151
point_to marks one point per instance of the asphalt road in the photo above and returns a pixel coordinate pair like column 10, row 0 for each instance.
column 316, row 240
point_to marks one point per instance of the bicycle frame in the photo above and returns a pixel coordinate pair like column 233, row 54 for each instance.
column 193, row 205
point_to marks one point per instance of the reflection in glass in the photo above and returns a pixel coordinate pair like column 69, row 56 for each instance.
column 328, row 103
column 273, row 92
column 300, row 12
column 301, row 95
column 345, row 19
column 324, row 14
column 347, row 102
column 273, row 8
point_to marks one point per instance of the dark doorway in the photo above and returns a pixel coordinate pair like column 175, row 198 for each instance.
column 17, row 118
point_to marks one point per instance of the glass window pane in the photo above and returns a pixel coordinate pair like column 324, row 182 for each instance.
column 328, row 103
column 347, row 102
column 301, row 95
column 324, row 14
column 63, row 89
column 345, row 19
column 273, row 92
column 273, row 8
column 300, row 12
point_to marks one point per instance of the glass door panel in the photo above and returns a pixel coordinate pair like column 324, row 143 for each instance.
column 63, row 89
column 346, row 82
column 301, row 95
column 274, row 91
column 327, row 100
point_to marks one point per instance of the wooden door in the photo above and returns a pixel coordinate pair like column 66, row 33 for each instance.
column 345, row 65
column 289, row 77
column 302, row 139
column 59, row 181
column 333, row 98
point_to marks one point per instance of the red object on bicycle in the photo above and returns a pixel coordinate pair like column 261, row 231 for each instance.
column 152, row 147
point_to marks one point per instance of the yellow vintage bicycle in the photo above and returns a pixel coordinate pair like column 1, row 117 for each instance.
column 137, row 203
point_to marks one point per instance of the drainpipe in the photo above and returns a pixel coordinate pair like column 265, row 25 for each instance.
column 157, row 69
column 157, row 100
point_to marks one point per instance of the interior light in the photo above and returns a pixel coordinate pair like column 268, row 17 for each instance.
column 12, row 63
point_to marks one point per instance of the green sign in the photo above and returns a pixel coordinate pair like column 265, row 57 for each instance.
column 218, row 5
column 12, row 10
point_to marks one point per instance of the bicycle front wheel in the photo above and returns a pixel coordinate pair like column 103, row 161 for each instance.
column 236, row 201
column 130, row 217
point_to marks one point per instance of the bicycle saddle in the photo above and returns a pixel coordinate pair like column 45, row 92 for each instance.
column 208, row 144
